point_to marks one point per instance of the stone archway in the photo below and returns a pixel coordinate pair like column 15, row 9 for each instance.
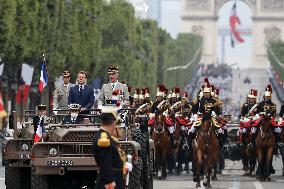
column 201, row 17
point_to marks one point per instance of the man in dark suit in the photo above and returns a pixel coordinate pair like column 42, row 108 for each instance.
column 73, row 117
column 82, row 94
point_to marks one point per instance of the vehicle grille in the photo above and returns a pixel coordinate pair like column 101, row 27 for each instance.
column 79, row 136
column 77, row 150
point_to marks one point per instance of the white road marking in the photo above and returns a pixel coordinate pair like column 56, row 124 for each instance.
column 257, row 185
column 235, row 185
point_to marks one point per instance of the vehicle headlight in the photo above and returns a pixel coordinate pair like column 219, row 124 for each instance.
column 53, row 152
column 25, row 147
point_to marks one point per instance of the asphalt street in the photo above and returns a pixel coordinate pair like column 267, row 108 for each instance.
column 231, row 178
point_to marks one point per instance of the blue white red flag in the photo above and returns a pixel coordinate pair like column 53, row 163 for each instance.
column 43, row 76
column 234, row 21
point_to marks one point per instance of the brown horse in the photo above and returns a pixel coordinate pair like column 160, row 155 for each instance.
column 248, row 153
column 264, row 148
column 162, row 143
column 205, row 147
column 281, row 148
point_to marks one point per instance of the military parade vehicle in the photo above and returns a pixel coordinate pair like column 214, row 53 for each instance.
column 16, row 151
column 65, row 158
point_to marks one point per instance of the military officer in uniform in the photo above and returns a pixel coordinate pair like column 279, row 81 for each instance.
column 40, row 119
column 267, row 105
column 73, row 117
column 159, row 98
column 107, row 152
column 249, row 108
column 114, row 85
column 82, row 94
column 61, row 93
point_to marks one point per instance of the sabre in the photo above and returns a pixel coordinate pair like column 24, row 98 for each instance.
column 129, row 160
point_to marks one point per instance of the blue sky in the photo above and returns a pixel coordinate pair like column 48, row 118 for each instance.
column 241, row 54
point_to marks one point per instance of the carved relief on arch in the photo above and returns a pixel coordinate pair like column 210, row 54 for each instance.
column 272, row 5
column 198, row 30
column 220, row 3
column 272, row 33
column 197, row 5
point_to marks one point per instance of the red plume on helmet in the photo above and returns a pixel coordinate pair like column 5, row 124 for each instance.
column 161, row 88
column 217, row 91
column 206, row 82
column 166, row 91
column 255, row 92
column 185, row 95
column 123, row 82
column 177, row 90
column 269, row 88
column 137, row 90
column 129, row 89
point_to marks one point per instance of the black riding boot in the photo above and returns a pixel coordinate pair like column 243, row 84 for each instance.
column 253, row 137
column 190, row 138
column 172, row 140
column 221, row 139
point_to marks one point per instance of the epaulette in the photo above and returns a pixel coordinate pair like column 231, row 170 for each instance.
column 215, row 123
column 197, row 123
column 218, row 102
column 195, row 101
column 104, row 140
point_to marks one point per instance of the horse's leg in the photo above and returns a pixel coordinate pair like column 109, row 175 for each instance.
column 260, row 164
column 208, row 169
column 158, row 165
column 179, row 160
column 281, row 149
column 186, row 160
column 269, row 156
column 214, row 176
column 198, row 164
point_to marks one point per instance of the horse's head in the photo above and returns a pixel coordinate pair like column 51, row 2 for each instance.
column 265, row 122
column 159, row 122
column 206, row 122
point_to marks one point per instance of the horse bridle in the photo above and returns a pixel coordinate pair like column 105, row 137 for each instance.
column 155, row 130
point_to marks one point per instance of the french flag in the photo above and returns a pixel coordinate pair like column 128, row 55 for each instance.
column 234, row 21
column 24, row 86
column 43, row 76
column 39, row 131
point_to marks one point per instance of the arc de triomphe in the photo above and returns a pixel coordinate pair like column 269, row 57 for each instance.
column 201, row 17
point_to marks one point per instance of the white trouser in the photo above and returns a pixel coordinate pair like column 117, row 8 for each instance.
column 253, row 130
column 171, row 129
column 220, row 130
column 192, row 130
column 277, row 130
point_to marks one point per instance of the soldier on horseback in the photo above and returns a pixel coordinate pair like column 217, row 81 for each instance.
column 248, row 109
column 162, row 105
column 207, row 105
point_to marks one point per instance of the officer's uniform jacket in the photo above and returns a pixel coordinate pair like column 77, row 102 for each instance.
column 110, row 159
column 265, row 106
column 107, row 90
column 70, row 120
column 246, row 108
column 60, row 97
column 206, row 105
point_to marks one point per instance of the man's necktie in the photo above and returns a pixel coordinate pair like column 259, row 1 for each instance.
column 112, row 85
column 81, row 88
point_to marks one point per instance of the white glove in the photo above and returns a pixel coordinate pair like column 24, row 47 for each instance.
column 128, row 166
column 213, row 114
